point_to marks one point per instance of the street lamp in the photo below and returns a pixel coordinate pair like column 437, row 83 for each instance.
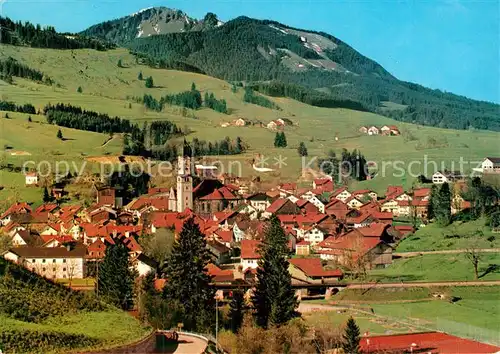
column 218, row 296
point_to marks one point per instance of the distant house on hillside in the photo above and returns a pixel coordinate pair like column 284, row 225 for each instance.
column 363, row 129
column 373, row 130
column 240, row 122
column 276, row 124
column 389, row 130
column 441, row 177
column 31, row 179
column 490, row 165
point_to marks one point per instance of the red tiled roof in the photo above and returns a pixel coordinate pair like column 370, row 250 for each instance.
column 222, row 193
column 312, row 268
column 431, row 342
column 289, row 187
column 350, row 243
column 382, row 215
column 160, row 203
column 374, row 230
column 276, row 205
column 219, row 275
column 225, row 235
column 249, row 249
column 421, row 192
column 338, row 191
column 16, row 208
column 303, row 243
column 393, row 191
column 46, row 208
column 361, row 191
column 160, row 284
column 322, row 181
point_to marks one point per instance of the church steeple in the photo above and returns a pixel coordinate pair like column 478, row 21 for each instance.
column 184, row 179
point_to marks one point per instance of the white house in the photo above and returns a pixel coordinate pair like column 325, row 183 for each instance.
column 312, row 234
column 491, row 164
column 342, row 194
column 259, row 201
column 249, row 254
column 373, row 130
column 144, row 265
column 314, row 200
column 51, row 262
column 354, row 203
column 441, row 177
column 31, row 179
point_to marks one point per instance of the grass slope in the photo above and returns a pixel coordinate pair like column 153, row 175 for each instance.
column 454, row 236
column 438, row 267
column 108, row 88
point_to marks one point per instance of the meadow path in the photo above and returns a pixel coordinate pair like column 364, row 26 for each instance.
column 421, row 253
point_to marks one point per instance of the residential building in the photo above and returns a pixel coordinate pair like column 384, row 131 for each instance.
column 31, row 179
column 441, row 177
column 310, row 270
column 491, row 165
column 250, row 253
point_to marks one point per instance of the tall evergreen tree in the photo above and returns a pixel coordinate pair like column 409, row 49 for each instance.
column 302, row 150
column 46, row 195
column 277, row 140
column 433, row 201
column 351, row 337
column 188, row 283
column 236, row 310
column 79, row 89
column 149, row 82
column 115, row 279
column 139, row 77
column 443, row 207
column 283, row 140
column 59, row 134
column 274, row 299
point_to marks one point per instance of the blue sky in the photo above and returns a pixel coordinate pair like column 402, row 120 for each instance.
column 448, row 44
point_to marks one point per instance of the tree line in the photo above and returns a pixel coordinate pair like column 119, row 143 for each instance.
column 259, row 100
column 222, row 147
column 12, row 107
column 11, row 67
column 348, row 165
column 18, row 33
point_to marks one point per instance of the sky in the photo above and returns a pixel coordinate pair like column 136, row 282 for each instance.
column 450, row 45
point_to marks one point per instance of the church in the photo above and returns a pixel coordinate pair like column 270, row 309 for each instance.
column 207, row 197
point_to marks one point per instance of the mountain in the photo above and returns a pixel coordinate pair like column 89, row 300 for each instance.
column 150, row 22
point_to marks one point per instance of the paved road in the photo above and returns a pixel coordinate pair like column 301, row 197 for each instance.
column 190, row 345
column 416, row 254
column 423, row 284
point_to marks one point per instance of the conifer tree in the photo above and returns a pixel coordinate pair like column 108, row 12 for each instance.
column 29, row 119
column 115, row 279
column 302, row 150
column 188, row 283
column 236, row 310
column 433, row 201
column 274, row 298
column 59, row 134
column 149, row 82
column 139, row 77
column 283, row 140
column 46, row 195
column 351, row 337
column 443, row 210
column 79, row 89
column 277, row 140
column 119, row 63
column 193, row 86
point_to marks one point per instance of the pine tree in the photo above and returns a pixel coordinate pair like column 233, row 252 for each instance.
column 188, row 283
column 433, row 201
column 115, row 279
column 277, row 140
column 351, row 337
column 139, row 77
column 443, row 207
column 79, row 89
column 236, row 310
column 274, row 298
column 119, row 63
column 46, row 195
column 283, row 140
column 149, row 82
column 29, row 119
column 59, row 134
column 302, row 150
column 193, row 86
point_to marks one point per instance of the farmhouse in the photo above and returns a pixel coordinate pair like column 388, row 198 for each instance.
column 441, row 177
column 491, row 165
column 373, row 130
column 311, row 271
column 249, row 254
column 31, row 179
column 276, row 124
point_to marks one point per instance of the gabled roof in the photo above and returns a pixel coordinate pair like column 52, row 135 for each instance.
column 16, row 208
column 338, row 191
column 50, row 252
column 219, row 275
column 493, row 159
column 430, row 342
column 374, row 230
column 46, row 208
column 249, row 249
column 277, row 205
column 225, row 236
column 421, row 192
column 222, row 193
column 312, row 268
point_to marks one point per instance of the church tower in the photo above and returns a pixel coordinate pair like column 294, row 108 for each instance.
column 184, row 180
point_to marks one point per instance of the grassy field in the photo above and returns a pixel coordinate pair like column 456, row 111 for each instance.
column 475, row 314
column 438, row 267
column 455, row 236
column 110, row 89
column 111, row 328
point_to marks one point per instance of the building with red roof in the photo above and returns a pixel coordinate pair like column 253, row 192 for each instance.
column 430, row 342
column 310, row 270
column 219, row 276
column 15, row 210
column 250, row 253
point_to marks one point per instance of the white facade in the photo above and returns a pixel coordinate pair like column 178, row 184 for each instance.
column 439, row 178
column 249, row 263
column 31, row 179
column 343, row 196
column 52, row 268
column 184, row 184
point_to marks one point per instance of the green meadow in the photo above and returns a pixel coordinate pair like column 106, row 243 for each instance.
column 109, row 89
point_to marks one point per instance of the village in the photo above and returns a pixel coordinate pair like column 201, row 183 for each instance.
column 332, row 232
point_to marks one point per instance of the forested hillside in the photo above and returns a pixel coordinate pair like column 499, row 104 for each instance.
column 256, row 51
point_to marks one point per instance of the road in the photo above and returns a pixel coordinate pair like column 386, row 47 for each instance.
column 421, row 253
column 190, row 345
